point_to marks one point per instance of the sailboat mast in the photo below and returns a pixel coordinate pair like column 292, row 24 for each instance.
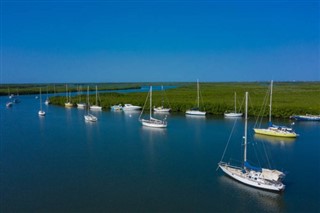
column 245, row 130
column 235, row 102
column 150, row 101
column 67, row 92
column 271, row 87
column 40, row 100
column 198, row 92
column 88, row 99
column 96, row 95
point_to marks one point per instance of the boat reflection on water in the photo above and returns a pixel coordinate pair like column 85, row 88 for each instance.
column 274, row 140
column 268, row 200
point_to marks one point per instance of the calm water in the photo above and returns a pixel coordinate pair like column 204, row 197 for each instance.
column 60, row 163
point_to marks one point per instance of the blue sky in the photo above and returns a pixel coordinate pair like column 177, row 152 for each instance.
column 134, row 41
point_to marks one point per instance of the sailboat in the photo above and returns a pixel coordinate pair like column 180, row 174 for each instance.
column 235, row 113
column 152, row 122
column 41, row 112
column 253, row 176
column 196, row 111
column 161, row 108
column 96, row 107
column 47, row 102
column 274, row 130
column 88, row 116
column 68, row 103
column 80, row 104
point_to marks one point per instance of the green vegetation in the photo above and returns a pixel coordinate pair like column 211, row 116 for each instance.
column 288, row 97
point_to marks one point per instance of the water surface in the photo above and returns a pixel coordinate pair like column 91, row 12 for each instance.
column 60, row 163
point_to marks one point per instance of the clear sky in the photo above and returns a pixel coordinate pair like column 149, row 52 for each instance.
column 49, row 41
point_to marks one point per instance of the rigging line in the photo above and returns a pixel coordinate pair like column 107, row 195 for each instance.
column 225, row 149
column 243, row 99
column 265, row 152
column 144, row 105
column 262, row 110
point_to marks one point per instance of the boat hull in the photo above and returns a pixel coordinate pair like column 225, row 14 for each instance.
column 237, row 174
column 195, row 112
column 306, row 117
column 41, row 113
column 233, row 115
column 68, row 104
column 161, row 109
column 95, row 108
column 153, row 124
column 131, row 108
column 90, row 118
column 81, row 105
column 275, row 133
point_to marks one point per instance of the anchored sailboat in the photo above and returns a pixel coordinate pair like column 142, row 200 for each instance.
column 152, row 122
column 196, row 110
column 254, row 176
column 161, row 108
column 68, row 103
column 235, row 113
column 274, row 130
column 96, row 107
column 41, row 112
column 88, row 116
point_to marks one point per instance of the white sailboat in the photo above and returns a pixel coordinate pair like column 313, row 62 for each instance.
column 89, row 117
column 152, row 122
column 130, row 107
column 47, row 102
column 80, row 105
column 41, row 112
column 253, row 176
column 96, row 107
column 161, row 108
column 68, row 103
column 274, row 130
column 235, row 113
column 196, row 110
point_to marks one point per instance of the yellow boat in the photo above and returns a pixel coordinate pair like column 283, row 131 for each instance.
column 273, row 130
column 277, row 131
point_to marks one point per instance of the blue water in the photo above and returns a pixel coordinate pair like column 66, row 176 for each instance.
column 60, row 163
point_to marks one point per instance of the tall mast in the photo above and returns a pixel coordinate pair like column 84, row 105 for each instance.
column 40, row 100
column 198, row 91
column 67, row 92
column 245, row 130
column 235, row 102
column 150, row 100
column 271, row 87
column 88, row 99
column 96, row 95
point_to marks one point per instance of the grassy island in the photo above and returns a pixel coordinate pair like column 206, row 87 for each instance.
column 288, row 97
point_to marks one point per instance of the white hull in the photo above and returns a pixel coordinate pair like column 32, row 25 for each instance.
column 95, row 108
column 233, row 114
column 195, row 112
column 41, row 113
column 90, row 118
column 251, row 178
column 161, row 109
column 154, row 123
column 129, row 107
column 47, row 102
column 81, row 105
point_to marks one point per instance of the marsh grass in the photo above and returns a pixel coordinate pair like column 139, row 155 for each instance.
column 288, row 97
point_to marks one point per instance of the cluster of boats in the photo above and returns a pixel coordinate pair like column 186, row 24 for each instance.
column 263, row 178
